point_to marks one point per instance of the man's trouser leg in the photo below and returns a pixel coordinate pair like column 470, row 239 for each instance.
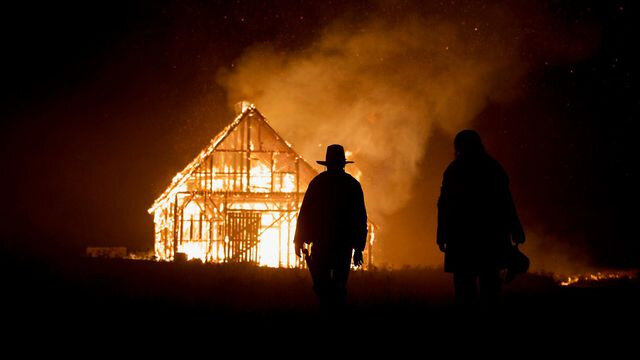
column 464, row 284
column 321, row 275
column 340, row 275
column 490, row 285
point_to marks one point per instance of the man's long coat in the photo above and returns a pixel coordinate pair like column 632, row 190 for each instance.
column 332, row 217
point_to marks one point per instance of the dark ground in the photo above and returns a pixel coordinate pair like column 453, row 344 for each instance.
column 102, row 297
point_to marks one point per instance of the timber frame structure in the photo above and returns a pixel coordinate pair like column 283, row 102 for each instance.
column 238, row 200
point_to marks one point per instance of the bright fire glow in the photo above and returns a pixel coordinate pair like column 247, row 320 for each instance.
column 274, row 247
column 598, row 276
column 237, row 201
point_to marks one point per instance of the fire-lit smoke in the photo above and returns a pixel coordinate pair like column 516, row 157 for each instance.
column 380, row 86
column 549, row 253
column 378, row 90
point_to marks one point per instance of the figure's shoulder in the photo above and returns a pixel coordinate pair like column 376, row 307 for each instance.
column 320, row 177
column 316, row 179
column 497, row 169
column 452, row 168
column 496, row 165
column 335, row 178
column 350, row 179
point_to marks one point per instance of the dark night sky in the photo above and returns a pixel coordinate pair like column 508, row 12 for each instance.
column 104, row 102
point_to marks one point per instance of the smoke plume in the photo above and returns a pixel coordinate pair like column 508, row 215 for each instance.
column 380, row 86
column 378, row 89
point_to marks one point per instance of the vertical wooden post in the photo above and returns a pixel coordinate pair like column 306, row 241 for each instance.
column 165, row 232
column 249, row 153
column 280, row 245
column 175, row 227
column 234, row 169
column 297, row 180
column 225, row 246
column 273, row 167
column 297, row 197
column 259, row 127
column 211, row 173
column 289, row 218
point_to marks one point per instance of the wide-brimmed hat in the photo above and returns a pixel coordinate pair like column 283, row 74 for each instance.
column 335, row 156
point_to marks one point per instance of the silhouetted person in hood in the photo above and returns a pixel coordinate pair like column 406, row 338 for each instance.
column 477, row 220
column 333, row 220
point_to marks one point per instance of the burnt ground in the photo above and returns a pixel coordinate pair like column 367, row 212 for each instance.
column 102, row 297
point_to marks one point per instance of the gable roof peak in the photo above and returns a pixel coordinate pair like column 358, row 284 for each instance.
column 247, row 110
column 241, row 106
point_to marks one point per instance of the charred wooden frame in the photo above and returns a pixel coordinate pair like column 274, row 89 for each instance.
column 238, row 200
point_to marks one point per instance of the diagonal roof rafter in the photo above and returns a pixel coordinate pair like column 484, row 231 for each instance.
column 184, row 175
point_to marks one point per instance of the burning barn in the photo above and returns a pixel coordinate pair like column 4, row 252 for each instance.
column 238, row 200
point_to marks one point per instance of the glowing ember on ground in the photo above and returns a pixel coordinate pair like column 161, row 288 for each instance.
column 598, row 276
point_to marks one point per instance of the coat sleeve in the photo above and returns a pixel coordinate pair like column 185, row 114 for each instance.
column 360, row 221
column 305, row 217
column 443, row 210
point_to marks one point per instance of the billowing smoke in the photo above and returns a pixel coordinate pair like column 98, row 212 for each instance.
column 552, row 253
column 379, row 90
column 382, row 84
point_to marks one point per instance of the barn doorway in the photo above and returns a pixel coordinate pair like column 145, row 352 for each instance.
column 243, row 228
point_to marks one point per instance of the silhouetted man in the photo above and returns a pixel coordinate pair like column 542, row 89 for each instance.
column 333, row 219
column 477, row 220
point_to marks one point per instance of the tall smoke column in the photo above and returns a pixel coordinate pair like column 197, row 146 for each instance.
column 378, row 89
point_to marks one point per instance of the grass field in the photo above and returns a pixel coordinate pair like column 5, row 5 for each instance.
column 93, row 294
